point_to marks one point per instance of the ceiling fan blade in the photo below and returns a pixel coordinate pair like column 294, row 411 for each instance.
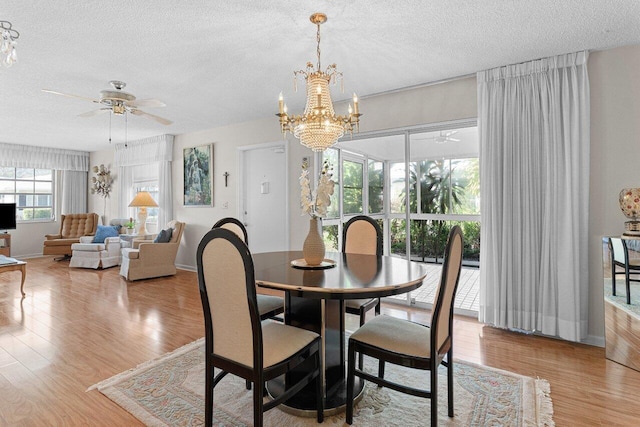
column 150, row 102
column 151, row 116
column 453, row 139
column 68, row 95
column 94, row 112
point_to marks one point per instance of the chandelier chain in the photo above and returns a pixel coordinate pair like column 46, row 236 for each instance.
column 318, row 49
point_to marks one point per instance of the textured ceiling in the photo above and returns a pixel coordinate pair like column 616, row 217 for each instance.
column 216, row 63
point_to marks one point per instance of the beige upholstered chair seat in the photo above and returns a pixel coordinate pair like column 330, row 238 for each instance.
column 269, row 304
column 396, row 335
column 282, row 341
column 356, row 303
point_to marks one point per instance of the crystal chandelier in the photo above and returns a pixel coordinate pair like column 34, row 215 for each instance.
column 8, row 44
column 319, row 127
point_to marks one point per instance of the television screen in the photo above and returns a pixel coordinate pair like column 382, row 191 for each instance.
column 7, row 216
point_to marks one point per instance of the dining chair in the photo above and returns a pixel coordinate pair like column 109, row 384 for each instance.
column 619, row 251
column 410, row 344
column 269, row 306
column 236, row 340
column 362, row 235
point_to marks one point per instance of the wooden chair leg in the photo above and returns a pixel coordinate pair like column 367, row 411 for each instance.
column 434, row 396
column 248, row 384
column 351, row 367
column 378, row 308
column 628, row 285
column 208, row 394
column 257, row 406
column 450, row 382
column 380, row 369
column 613, row 278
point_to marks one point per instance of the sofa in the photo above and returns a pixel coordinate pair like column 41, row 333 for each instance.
column 148, row 259
column 72, row 227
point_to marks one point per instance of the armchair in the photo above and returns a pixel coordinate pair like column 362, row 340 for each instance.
column 148, row 259
column 72, row 227
column 87, row 254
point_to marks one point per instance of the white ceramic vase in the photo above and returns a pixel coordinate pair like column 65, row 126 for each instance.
column 313, row 248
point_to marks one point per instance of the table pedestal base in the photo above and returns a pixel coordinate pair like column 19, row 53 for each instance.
column 303, row 404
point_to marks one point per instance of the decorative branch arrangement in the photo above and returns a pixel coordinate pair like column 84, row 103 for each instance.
column 315, row 203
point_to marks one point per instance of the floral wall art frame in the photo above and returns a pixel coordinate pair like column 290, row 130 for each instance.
column 198, row 175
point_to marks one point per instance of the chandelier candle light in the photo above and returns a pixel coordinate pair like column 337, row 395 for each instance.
column 9, row 36
column 318, row 127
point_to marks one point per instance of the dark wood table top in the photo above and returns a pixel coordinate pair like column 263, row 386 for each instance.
column 354, row 276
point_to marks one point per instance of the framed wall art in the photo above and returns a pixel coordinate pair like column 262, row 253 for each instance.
column 198, row 175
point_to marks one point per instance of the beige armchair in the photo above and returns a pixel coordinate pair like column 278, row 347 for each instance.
column 147, row 259
column 72, row 227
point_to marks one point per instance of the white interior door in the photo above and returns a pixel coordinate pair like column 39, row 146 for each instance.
column 264, row 209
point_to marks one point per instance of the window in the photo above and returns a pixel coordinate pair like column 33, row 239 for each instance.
column 152, row 213
column 376, row 186
column 352, row 187
column 31, row 190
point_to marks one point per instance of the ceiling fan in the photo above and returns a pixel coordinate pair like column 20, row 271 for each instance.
column 119, row 102
column 442, row 138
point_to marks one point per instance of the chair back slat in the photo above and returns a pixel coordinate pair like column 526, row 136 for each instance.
column 225, row 269
column 362, row 235
column 442, row 320
column 234, row 225
column 618, row 250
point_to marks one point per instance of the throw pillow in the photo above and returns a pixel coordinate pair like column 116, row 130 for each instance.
column 164, row 236
column 105, row 231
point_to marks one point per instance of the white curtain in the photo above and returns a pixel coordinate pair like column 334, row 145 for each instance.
column 71, row 170
column 28, row 156
column 73, row 192
column 534, row 163
column 146, row 157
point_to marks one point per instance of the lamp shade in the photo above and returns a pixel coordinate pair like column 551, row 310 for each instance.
column 143, row 200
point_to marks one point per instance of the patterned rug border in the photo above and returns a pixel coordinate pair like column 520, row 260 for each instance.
column 542, row 389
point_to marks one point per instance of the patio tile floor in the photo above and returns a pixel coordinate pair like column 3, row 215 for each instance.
column 467, row 297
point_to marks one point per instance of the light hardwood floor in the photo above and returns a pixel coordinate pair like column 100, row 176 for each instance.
column 76, row 327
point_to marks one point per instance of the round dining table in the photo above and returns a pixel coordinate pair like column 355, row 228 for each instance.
column 315, row 300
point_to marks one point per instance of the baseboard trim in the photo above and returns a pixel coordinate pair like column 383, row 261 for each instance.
column 186, row 267
column 594, row 340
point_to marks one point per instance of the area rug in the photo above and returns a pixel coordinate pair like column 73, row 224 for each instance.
column 620, row 299
column 169, row 391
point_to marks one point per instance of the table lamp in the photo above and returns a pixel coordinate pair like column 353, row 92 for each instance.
column 143, row 200
column 630, row 204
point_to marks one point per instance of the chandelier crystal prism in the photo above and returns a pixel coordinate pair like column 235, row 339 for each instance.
column 319, row 127
column 8, row 37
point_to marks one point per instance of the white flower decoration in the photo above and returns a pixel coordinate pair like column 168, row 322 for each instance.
column 315, row 203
